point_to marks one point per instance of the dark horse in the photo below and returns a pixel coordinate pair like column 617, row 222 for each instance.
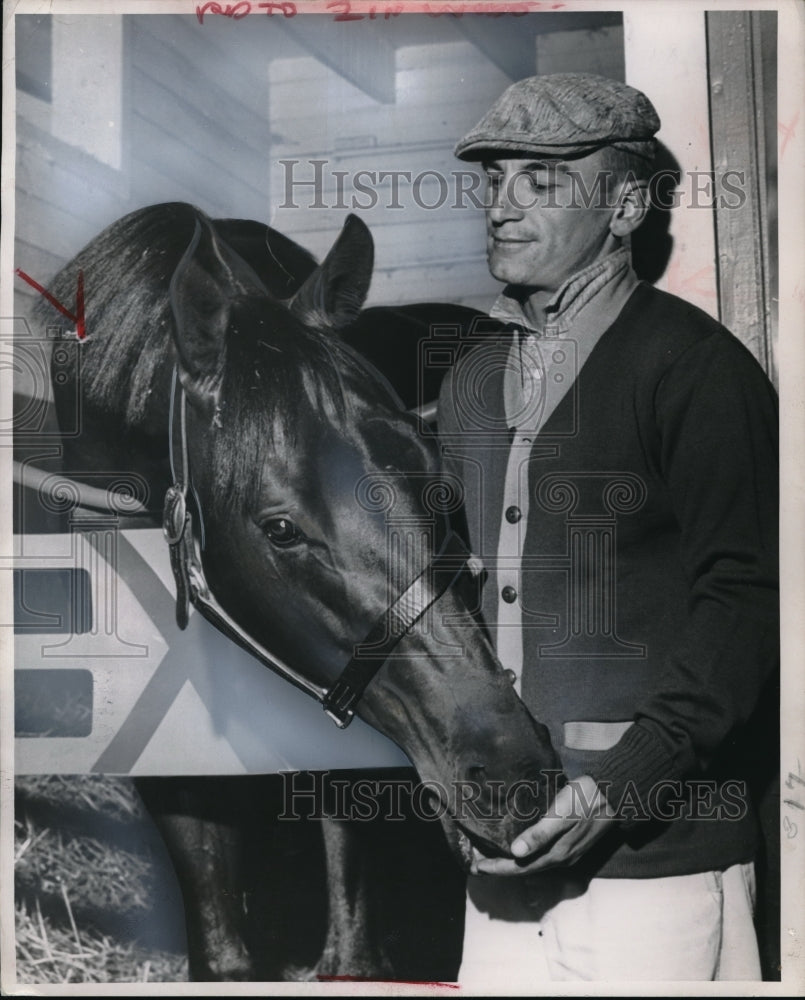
column 295, row 448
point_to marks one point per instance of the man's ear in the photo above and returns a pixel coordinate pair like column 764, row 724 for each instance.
column 631, row 205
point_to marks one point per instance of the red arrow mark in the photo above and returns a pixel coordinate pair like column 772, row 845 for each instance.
column 78, row 316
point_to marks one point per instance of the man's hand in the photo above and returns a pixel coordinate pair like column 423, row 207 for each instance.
column 577, row 818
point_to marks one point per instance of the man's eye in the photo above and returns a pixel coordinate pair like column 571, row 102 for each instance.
column 282, row 532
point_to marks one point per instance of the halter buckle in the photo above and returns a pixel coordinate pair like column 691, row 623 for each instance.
column 174, row 515
column 338, row 702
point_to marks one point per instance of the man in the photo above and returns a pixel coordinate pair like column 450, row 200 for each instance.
column 618, row 452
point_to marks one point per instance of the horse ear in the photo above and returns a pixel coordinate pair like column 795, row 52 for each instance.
column 333, row 295
column 208, row 278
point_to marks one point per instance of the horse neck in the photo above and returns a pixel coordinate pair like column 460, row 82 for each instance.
column 105, row 447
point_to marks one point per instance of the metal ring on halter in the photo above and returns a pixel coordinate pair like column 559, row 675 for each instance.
column 174, row 513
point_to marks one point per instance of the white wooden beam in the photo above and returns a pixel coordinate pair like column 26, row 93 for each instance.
column 666, row 58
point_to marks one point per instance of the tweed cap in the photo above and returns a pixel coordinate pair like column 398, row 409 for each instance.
column 564, row 114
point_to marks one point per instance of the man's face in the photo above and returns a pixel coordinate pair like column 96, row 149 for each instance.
column 546, row 220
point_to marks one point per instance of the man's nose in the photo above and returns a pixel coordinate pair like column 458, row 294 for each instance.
column 504, row 206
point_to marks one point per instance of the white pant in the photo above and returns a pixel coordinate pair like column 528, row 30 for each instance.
column 550, row 927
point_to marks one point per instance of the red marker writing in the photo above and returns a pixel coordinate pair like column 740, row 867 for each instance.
column 78, row 317
column 407, row 982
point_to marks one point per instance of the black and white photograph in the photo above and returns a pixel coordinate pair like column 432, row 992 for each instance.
column 403, row 463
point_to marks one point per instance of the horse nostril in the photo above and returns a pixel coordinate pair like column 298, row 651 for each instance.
column 476, row 772
column 432, row 797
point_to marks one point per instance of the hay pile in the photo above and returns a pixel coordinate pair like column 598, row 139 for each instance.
column 88, row 877
column 49, row 952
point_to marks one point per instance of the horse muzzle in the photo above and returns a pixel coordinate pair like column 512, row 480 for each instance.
column 491, row 821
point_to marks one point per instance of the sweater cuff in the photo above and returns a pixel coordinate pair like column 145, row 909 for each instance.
column 629, row 772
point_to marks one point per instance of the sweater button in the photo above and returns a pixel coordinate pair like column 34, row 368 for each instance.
column 513, row 514
column 509, row 595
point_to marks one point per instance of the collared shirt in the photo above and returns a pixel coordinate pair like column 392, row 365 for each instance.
column 541, row 367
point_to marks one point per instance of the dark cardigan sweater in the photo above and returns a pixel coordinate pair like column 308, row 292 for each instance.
column 661, row 463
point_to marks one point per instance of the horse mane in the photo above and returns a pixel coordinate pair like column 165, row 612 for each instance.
column 127, row 271
column 270, row 378
column 274, row 386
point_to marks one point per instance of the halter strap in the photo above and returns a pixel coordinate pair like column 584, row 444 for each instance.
column 390, row 627
column 340, row 699
column 185, row 552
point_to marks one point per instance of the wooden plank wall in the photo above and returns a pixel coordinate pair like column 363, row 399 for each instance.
column 197, row 120
column 422, row 253
column 193, row 129
column 206, row 118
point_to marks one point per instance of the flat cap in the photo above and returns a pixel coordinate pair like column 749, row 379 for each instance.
column 564, row 114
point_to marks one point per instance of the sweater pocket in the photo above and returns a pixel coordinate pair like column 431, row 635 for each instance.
column 593, row 735
column 583, row 741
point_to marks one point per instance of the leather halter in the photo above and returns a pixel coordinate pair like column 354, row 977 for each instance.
column 186, row 544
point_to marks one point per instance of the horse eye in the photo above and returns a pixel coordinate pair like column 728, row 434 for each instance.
column 282, row 532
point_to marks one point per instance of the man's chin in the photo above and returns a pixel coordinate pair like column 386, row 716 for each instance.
column 504, row 269
column 501, row 272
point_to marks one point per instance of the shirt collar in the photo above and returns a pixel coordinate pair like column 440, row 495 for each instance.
column 572, row 297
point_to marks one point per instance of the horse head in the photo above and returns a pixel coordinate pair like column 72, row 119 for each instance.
column 322, row 507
